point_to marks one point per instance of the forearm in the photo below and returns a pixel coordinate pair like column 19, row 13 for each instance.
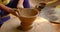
column 20, row 4
column 7, row 9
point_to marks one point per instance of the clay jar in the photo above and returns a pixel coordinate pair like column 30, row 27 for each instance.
column 40, row 6
column 27, row 17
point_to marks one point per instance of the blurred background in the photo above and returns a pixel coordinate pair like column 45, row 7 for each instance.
column 48, row 2
column 50, row 11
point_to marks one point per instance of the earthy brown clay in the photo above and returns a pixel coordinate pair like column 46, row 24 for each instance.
column 27, row 17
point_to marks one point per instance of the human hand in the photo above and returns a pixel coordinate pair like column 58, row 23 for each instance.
column 20, row 4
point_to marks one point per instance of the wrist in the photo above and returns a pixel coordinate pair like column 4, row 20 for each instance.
column 20, row 6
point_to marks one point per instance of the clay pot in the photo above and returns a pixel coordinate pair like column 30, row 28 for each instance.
column 40, row 6
column 27, row 17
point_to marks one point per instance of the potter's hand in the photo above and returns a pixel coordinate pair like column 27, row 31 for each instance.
column 20, row 4
column 7, row 9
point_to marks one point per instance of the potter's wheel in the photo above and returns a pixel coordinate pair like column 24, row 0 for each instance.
column 40, row 25
column 52, row 14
